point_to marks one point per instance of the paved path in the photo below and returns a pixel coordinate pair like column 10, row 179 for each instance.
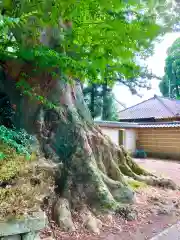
column 172, row 233
column 166, row 168
column 170, row 169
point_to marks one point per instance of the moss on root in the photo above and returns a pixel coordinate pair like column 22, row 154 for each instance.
column 102, row 175
column 94, row 178
column 136, row 184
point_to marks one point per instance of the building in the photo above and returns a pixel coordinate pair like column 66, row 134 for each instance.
column 155, row 109
column 120, row 133
column 152, row 125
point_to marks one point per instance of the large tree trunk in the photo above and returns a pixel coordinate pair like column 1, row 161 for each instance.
column 91, row 168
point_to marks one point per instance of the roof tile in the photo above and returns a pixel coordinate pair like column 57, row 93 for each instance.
column 156, row 107
column 172, row 124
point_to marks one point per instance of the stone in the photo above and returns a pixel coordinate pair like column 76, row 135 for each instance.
column 131, row 216
column 93, row 224
column 13, row 237
column 31, row 236
column 33, row 223
column 166, row 210
column 124, row 195
column 127, row 212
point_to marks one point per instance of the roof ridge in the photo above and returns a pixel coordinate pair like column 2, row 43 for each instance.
column 161, row 101
column 137, row 104
column 171, row 99
column 139, row 125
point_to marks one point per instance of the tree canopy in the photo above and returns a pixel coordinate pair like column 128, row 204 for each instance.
column 85, row 39
column 170, row 85
column 101, row 102
column 65, row 43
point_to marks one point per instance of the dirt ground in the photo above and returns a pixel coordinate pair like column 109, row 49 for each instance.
column 155, row 208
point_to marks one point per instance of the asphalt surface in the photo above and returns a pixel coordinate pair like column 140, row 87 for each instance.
column 172, row 233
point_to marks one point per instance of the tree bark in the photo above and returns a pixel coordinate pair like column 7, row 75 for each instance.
column 92, row 100
column 104, row 94
column 92, row 168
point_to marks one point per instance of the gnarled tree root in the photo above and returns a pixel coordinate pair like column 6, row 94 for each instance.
column 96, row 179
column 91, row 168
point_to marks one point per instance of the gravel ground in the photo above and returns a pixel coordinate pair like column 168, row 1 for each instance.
column 155, row 208
column 170, row 169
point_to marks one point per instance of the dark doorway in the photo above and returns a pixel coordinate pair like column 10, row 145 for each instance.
column 121, row 137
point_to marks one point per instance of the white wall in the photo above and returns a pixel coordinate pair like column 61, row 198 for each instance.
column 130, row 140
column 129, row 137
column 112, row 133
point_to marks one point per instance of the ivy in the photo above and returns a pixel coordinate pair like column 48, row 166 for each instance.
column 18, row 139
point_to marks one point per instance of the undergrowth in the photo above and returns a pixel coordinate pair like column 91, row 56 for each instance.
column 18, row 139
column 22, row 187
column 11, row 163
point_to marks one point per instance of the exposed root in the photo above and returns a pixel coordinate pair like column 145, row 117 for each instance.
column 162, row 182
column 130, row 168
column 91, row 222
column 96, row 178
column 62, row 215
column 88, row 168
column 92, row 173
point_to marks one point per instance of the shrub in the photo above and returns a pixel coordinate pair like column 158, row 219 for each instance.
column 140, row 154
column 18, row 196
column 18, row 139
column 11, row 163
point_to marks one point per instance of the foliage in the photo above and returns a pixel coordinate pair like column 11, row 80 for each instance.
column 93, row 99
column 87, row 39
column 110, row 111
column 19, row 140
column 6, row 111
column 2, row 156
column 11, row 163
column 98, row 103
column 170, row 85
column 27, row 90
column 21, row 196
column 164, row 87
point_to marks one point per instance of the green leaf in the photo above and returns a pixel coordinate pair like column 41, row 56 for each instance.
column 2, row 156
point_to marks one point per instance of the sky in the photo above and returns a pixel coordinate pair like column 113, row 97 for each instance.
column 155, row 63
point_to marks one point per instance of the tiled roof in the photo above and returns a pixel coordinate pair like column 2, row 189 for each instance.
column 159, row 125
column 175, row 124
column 156, row 107
column 114, row 124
